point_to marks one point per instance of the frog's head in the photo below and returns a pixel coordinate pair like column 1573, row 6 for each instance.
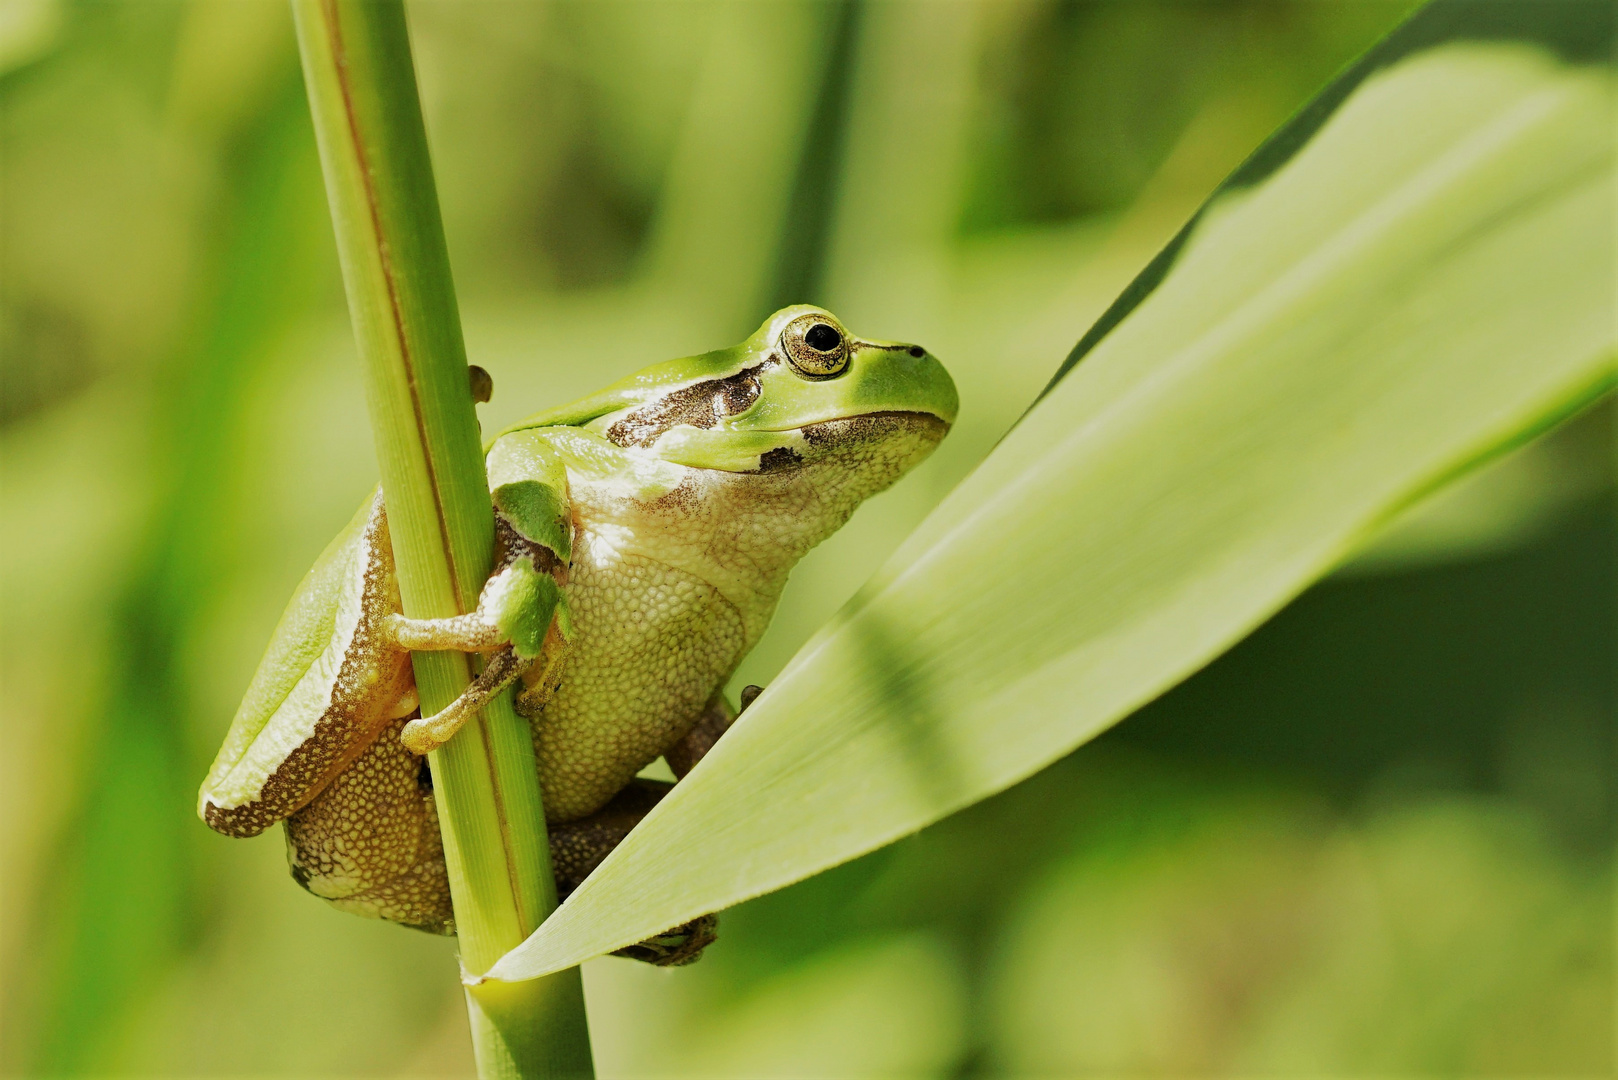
column 801, row 390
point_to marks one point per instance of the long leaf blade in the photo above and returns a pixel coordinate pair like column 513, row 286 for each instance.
column 1420, row 276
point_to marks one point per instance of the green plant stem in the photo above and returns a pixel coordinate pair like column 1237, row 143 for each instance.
column 379, row 182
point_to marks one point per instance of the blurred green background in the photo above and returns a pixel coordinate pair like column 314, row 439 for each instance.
column 1374, row 838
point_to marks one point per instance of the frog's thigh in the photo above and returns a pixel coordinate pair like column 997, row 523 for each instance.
column 652, row 644
column 577, row 847
column 329, row 681
column 369, row 842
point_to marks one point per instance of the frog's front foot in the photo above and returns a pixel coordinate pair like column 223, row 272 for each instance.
column 427, row 733
column 714, row 722
column 473, row 632
column 521, row 617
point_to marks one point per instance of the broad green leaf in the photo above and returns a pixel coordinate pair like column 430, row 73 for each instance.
column 1412, row 276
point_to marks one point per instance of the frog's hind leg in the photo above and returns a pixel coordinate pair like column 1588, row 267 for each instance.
column 683, row 944
column 369, row 843
column 578, row 847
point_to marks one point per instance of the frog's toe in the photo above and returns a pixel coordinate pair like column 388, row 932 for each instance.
column 678, row 946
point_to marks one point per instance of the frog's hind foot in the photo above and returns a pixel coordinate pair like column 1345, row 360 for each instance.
column 578, row 847
column 678, row 946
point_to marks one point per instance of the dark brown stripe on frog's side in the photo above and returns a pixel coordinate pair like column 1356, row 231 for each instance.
column 778, row 460
column 700, row 405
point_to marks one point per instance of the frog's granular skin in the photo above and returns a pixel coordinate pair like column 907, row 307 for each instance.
column 370, row 843
column 652, row 643
column 669, row 595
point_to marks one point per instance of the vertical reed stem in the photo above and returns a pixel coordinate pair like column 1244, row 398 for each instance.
column 384, row 205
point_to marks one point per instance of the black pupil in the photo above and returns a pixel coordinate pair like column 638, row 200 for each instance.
column 822, row 338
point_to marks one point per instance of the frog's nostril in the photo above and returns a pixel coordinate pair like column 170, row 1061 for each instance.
column 917, row 351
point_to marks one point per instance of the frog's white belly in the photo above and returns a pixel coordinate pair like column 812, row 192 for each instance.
column 652, row 643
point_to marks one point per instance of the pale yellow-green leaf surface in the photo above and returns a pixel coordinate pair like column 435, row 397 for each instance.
column 1427, row 281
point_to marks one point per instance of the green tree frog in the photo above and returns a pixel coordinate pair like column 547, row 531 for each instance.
column 643, row 537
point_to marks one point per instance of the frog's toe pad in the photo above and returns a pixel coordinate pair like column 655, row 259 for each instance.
column 678, row 946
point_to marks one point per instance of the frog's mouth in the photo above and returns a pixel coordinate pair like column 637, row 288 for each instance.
column 904, row 437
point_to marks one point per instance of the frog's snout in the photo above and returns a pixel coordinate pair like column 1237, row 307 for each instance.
column 927, row 387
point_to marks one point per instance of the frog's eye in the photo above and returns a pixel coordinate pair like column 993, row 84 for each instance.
column 816, row 346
